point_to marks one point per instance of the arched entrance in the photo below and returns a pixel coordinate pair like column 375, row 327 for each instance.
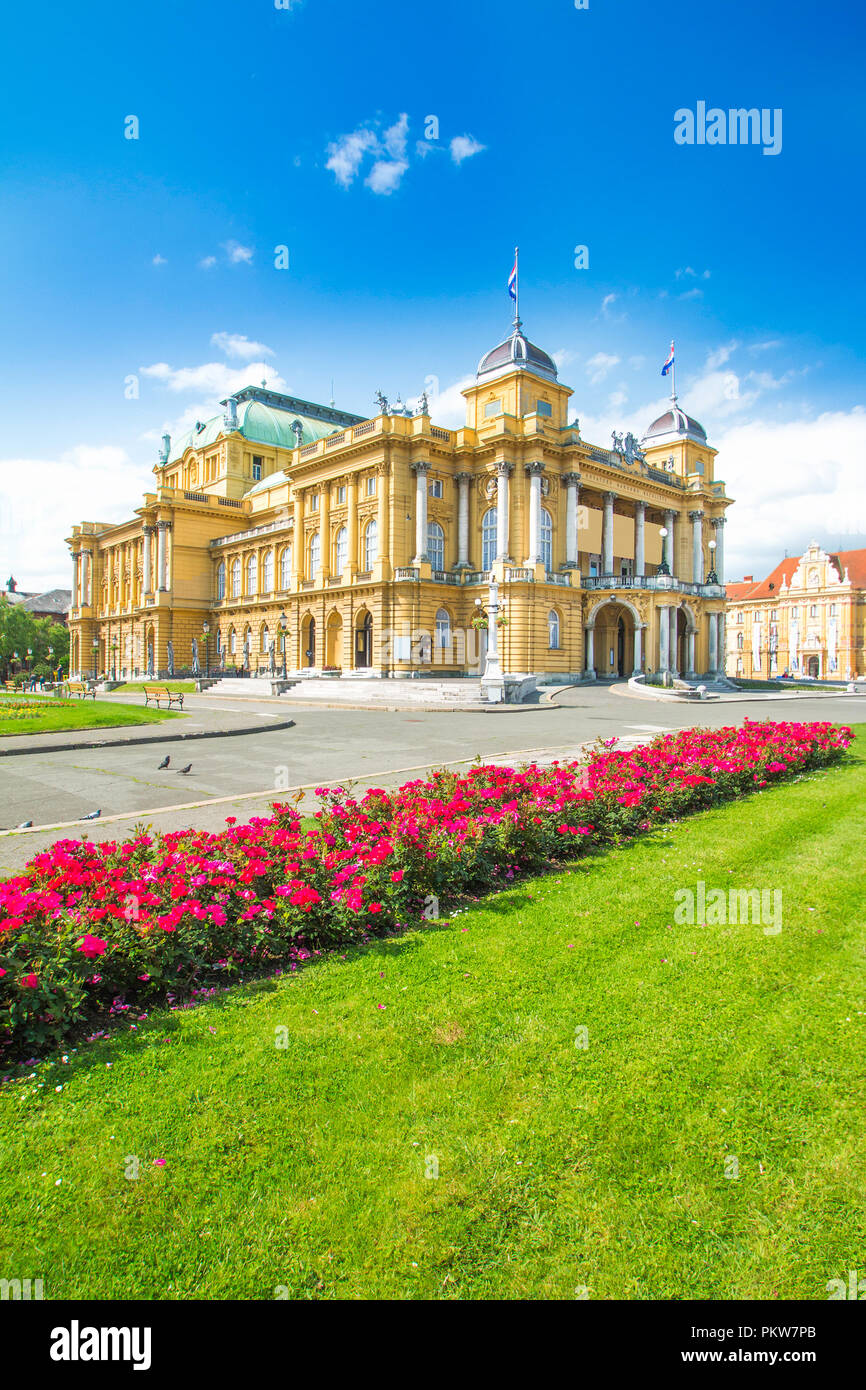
column 308, row 641
column 814, row 667
column 334, row 640
column 614, row 651
column 364, row 640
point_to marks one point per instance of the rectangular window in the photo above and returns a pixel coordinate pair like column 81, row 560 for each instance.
column 832, row 610
column 543, row 408
column 314, row 502
column 436, row 489
column 739, row 617
column 594, row 566
column 813, row 611
column 493, row 408
column 257, row 468
column 341, row 494
column 371, row 487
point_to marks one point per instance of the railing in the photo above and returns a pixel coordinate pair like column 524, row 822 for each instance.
column 267, row 529
column 309, row 449
column 196, row 497
column 562, row 579
column 406, row 572
column 333, row 440
column 438, row 433
column 476, row 577
column 360, row 430
column 519, row 576
column 445, row 577
column 653, row 582
column 364, row 575
column 229, row 502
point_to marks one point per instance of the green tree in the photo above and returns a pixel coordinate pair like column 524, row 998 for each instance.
column 19, row 630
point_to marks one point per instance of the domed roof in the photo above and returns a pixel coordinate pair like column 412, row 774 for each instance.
column 517, row 351
column 675, row 422
column 267, row 421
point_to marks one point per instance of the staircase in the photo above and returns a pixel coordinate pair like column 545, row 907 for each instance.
column 249, row 688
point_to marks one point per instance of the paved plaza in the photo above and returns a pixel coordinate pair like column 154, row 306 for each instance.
column 239, row 774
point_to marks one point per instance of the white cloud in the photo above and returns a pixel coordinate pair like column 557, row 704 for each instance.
column 215, row 379
column 345, row 155
column 239, row 345
column 385, row 175
column 607, row 305
column 720, row 355
column 597, row 367
column 563, row 357
column 691, row 294
column 395, row 137
column 448, row 407
column 463, row 147
column 207, row 262
column 238, row 254
column 616, row 399
column 43, row 498
column 159, row 260
column 636, row 363
column 689, row 273
column 766, row 346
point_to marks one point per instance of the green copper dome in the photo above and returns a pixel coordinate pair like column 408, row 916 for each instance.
column 269, row 418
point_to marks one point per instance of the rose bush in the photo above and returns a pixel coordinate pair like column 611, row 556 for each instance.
column 89, row 928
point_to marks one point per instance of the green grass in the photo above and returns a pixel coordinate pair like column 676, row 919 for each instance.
column 558, row 1167
column 180, row 687
column 814, row 687
column 37, row 714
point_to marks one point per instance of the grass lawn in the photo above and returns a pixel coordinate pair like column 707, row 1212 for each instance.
column 137, row 687
column 37, row 714
column 452, row 1049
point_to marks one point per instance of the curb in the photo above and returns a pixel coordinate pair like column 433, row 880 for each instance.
column 154, row 738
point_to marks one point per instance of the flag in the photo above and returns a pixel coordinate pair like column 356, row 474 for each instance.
column 670, row 362
column 512, row 280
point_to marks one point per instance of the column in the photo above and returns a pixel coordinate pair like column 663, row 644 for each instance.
column 669, row 549
column 607, row 533
column 722, row 653
column 161, row 556
column 714, row 643
column 463, row 481
column 325, row 531
column 76, row 579
column 298, row 536
column 572, row 546
column 672, row 640
column 639, row 538
column 664, row 639
column 637, row 654
column 719, row 529
column 420, row 470
column 503, row 471
column 534, row 472
column 146, row 564
column 690, row 659
column 589, row 649
column 696, row 518
column 352, row 529
column 382, row 518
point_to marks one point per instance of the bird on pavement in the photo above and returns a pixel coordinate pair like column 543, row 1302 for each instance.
column 25, row 825
column 93, row 815
column 165, row 762
column 188, row 768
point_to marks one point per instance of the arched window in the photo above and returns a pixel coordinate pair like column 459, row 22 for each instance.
column 341, row 550
column 553, row 629
column 236, row 578
column 371, row 544
column 488, row 539
column 443, row 629
column 285, row 567
column 221, row 579
column 546, row 540
column 233, row 642
column 315, row 554
column 265, row 642
column 268, row 572
column 251, row 574
column 436, row 545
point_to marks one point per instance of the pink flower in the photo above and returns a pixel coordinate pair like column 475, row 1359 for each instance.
column 159, row 1162
column 397, row 876
column 30, row 982
column 92, row 946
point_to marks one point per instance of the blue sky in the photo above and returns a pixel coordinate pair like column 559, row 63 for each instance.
column 305, row 127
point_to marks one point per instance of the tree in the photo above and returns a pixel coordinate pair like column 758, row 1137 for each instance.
column 19, row 630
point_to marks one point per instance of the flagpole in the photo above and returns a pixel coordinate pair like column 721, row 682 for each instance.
column 674, row 374
column 516, row 289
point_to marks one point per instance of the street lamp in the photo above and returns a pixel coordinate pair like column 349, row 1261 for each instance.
column 712, row 577
column 284, row 623
column 95, row 645
column 664, row 567
column 114, row 659
column 27, row 663
column 492, row 681
column 205, row 627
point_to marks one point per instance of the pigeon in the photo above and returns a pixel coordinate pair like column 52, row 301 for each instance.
column 188, row 768
column 92, row 815
column 165, row 762
column 25, row 825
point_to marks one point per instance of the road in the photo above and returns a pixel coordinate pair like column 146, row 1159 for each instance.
column 240, row 775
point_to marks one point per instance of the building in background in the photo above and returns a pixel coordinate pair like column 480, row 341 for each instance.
column 805, row 619
column 281, row 530
column 54, row 604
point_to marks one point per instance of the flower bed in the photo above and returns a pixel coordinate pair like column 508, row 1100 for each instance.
column 89, row 929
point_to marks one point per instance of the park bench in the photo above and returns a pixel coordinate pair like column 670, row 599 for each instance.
column 80, row 689
column 162, row 692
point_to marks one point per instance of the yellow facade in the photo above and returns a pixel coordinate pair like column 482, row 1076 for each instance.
column 367, row 542
column 807, row 618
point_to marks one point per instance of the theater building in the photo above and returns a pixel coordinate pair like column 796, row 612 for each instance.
column 806, row 618
column 284, row 531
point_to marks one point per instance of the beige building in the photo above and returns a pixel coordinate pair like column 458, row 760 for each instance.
column 805, row 619
column 284, row 533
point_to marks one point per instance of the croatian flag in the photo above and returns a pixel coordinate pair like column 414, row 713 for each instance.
column 512, row 280
column 670, row 362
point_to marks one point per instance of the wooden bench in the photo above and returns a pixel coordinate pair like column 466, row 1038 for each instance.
column 162, row 692
column 80, row 689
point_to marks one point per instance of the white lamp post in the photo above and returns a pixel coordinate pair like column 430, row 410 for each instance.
column 492, row 682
